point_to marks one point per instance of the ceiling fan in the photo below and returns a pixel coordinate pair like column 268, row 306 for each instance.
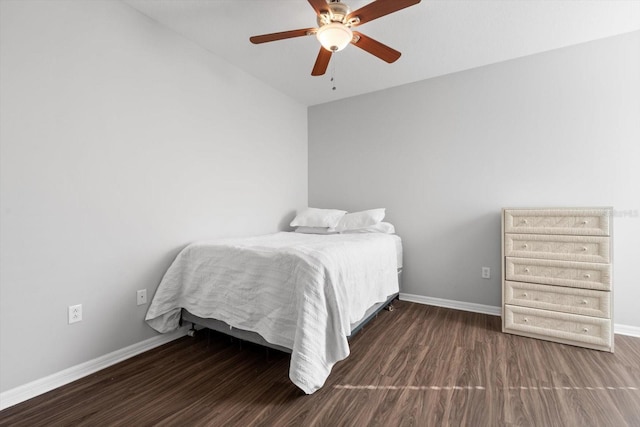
column 335, row 23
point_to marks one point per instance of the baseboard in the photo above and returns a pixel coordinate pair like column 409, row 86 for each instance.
column 447, row 303
column 35, row 388
column 632, row 331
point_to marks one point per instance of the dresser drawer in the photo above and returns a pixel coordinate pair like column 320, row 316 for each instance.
column 565, row 248
column 587, row 275
column 558, row 298
column 588, row 222
column 593, row 331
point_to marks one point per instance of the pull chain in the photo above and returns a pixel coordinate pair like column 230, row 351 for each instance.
column 333, row 73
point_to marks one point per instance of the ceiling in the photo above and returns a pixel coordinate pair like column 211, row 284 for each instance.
column 436, row 37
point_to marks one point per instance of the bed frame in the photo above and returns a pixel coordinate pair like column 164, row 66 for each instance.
column 253, row 337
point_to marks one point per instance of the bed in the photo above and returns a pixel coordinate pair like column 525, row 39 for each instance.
column 301, row 293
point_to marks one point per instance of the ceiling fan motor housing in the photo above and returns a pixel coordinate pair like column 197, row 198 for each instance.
column 338, row 12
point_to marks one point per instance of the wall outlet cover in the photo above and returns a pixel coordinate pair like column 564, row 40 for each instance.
column 141, row 297
column 75, row 313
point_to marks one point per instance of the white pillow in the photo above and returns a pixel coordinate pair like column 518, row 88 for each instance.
column 381, row 227
column 316, row 230
column 356, row 220
column 312, row 217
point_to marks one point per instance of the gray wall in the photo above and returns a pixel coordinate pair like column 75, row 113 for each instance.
column 121, row 142
column 444, row 155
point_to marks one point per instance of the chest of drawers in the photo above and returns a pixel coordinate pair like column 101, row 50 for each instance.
column 557, row 275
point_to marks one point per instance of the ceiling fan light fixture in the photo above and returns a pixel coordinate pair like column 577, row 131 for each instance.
column 335, row 20
column 334, row 36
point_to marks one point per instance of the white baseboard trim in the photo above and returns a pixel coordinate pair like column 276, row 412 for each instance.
column 632, row 331
column 35, row 388
column 447, row 303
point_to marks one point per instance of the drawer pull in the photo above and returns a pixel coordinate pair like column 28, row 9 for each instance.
column 585, row 329
column 525, row 320
column 524, row 221
column 584, row 249
column 526, row 270
column 584, row 302
column 525, row 295
column 525, row 246
column 587, row 275
column 585, row 222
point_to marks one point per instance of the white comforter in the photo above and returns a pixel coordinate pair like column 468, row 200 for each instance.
column 297, row 290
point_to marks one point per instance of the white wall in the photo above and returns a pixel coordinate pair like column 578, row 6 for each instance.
column 120, row 142
column 444, row 155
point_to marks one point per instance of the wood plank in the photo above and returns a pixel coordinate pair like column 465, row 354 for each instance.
column 416, row 365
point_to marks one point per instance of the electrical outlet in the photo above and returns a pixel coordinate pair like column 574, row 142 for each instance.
column 75, row 313
column 486, row 272
column 141, row 297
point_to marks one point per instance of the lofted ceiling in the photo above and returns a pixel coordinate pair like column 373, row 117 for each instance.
column 436, row 37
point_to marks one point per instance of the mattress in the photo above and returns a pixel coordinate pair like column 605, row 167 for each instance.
column 297, row 291
column 398, row 242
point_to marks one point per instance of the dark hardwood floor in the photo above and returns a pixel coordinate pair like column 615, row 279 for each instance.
column 417, row 365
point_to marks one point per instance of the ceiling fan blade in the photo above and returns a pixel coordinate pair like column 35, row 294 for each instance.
column 375, row 48
column 322, row 62
column 379, row 8
column 319, row 6
column 281, row 35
